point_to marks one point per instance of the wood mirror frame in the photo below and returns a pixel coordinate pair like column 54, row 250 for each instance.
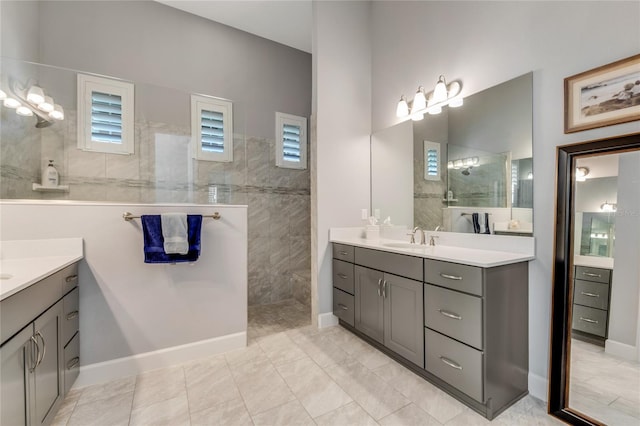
column 560, row 340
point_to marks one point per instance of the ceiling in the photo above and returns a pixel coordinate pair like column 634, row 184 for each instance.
column 285, row 22
column 600, row 165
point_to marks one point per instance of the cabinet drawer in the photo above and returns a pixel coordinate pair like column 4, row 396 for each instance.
column 71, row 317
column 343, row 252
column 343, row 306
column 454, row 276
column 590, row 320
column 69, row 278
column 455, row 314
column 592, row 294
column 455, row 363
column 593, row 274
column 397, row 264
column 343, row 275
column 71, row 362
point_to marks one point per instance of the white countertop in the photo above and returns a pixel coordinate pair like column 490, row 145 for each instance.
column 462, row 255
column 26, row 262
column 593, row 261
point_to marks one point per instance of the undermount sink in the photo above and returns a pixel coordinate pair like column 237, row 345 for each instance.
column 5, row 276
column 404, row 245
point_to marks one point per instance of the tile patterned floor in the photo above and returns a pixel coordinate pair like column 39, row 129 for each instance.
column 289, row 374
column 603, row 386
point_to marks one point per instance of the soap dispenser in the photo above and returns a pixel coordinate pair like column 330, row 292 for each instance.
column 50, row 176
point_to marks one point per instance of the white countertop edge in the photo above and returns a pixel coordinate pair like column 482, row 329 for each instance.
column 61, row 262
column 461, row 255
column 593, row 261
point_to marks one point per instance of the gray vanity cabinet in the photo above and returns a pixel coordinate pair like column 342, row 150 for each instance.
column 591, row 296
column 31, row 373
column 369, row 304
column 388, row 307
column 35, row 328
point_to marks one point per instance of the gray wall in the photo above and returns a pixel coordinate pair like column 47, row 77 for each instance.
column 625, row 287
column 591, row 193
column 170, row 54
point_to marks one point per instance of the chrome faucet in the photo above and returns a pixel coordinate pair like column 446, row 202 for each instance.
column 413, row 236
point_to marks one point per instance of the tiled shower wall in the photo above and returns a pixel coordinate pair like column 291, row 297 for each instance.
column 161, row 170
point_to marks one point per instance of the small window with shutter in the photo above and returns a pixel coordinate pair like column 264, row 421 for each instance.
column 431, row 160
column 105, row 115
column 211, row 128
column 291, row 141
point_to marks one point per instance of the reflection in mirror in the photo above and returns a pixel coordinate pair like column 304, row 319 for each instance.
column 605, row 373
column 594, row 371
column 485, row 164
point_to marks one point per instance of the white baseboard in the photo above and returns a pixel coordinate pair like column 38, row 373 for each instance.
column 538, row 386
column 132, row 365
column 621, row 350
column 327, row 320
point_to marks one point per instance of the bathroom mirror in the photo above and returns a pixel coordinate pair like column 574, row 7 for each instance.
column 594, row 371
column 486, row 164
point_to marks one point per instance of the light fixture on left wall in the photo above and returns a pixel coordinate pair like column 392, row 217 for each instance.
column 442, row 95
column 30, row 102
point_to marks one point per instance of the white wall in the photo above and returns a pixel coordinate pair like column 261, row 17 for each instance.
column 392, row 173
column 486, row 43
column 625, row 285
column 342, row 110
column 128, row 307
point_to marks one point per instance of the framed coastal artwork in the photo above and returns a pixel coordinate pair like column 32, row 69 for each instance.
column 603, row 96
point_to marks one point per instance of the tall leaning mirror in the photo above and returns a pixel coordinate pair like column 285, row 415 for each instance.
column 594, row 374
column 477, row 158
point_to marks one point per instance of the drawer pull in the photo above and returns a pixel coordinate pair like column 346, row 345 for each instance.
column 380, row 287
column 584, row 293
column 451, row 363
column 343, row 307
column 589, row 274
column 71, row 278
column 72, row 315
column 343, row 253
column 451, row 277
column 73, row 362
column 343, row 276
column 589, row 320
column 450, row 314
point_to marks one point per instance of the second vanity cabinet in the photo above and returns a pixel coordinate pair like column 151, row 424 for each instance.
column 34, row 329
column 462, row 327
column 591, row 296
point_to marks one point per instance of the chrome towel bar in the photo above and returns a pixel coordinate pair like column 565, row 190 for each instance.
column 128, row 216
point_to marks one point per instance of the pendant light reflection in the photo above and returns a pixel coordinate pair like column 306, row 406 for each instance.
column 581, row 174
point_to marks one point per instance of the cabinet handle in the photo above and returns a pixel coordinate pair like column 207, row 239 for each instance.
column 451, row 363
column 449, row 314
column 71, row 278
column 380, row 287
column 589, row 274
column 588, row 320
column 451, row 277
column 343, row 253
column 343, row 307
column 73, row 362
column 584, row 293
column 343, row 276
column 44, row 348
column 384, row 289
column 71, row 315
column 37, row 355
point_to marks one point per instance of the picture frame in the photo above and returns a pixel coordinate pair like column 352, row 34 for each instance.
column 603, row 96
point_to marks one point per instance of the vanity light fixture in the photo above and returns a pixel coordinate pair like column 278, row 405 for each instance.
column 33, row 101
column 581, row 173
column 463, row 163
column 608, row 207
column 443, row 94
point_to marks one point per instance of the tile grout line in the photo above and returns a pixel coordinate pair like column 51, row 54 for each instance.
column 235, row 383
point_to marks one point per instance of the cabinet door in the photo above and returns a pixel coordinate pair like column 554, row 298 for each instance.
column 403, row 318
column 48, row 380
column 369, row 302
column 18, row 357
